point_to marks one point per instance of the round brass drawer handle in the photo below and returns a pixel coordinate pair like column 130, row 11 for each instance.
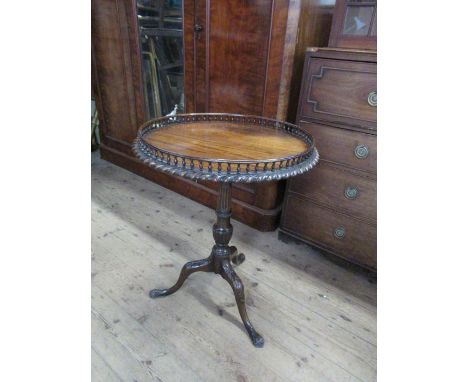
column 351, row 193
column 372, row 99
column 361, row 151
column 339, row 232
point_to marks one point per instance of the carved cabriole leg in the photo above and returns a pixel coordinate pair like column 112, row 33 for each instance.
column 238, row 288
column 222, row 253
column 205, row 265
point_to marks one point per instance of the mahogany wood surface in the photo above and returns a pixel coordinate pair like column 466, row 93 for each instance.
column 337, row 91
column 315, row 20
column 317, row 225
column 338, row 145
column 111, row 101
column 226, row 140
column 327, row 186
column 237, row 77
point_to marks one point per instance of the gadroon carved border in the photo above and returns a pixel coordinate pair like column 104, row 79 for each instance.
column 246, row 171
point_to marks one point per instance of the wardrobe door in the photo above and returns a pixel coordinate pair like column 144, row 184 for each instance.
column 239, row 52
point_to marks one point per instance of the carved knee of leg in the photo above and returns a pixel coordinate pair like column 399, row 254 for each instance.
column 238, row 288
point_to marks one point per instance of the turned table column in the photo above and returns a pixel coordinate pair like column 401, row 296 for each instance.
column 222, row 233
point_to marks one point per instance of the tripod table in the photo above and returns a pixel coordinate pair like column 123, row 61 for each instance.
column 224, row 148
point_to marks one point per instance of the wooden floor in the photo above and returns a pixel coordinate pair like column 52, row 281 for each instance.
column 318, row 319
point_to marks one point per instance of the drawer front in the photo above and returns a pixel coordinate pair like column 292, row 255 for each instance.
column 346, row 237
column 350, row 148
column 338, row 188
column 340, row 92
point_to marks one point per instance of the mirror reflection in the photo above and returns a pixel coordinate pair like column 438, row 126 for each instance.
column 160, row 26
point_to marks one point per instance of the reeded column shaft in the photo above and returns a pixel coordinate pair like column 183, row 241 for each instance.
column 224, row 198
column 222, row 229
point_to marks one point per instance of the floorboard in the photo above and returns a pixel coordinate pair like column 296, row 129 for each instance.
column 318, row 319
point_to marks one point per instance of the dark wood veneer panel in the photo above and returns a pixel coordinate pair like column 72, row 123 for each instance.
column 202, row 46
column 238, row 50
column 317, row 224
column 108, row 51
column 338, row 145
column 315, row 20
column 188, row 12
column 282, row 41
column 337, row 91
column 327, row 183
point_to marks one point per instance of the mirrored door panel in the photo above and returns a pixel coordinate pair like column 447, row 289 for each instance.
column 161, row 39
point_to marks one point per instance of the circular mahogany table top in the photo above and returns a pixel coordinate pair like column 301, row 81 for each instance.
column 225, row 147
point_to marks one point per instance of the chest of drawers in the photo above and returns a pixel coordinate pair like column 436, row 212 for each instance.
column 334, row 207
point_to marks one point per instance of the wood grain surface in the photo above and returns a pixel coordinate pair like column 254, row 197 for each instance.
column 338, row 145
column 226, row 140
column 337, row 92
column 326, row 186
column 315, row 224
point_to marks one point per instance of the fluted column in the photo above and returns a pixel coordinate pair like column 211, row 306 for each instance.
column 222, row 229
